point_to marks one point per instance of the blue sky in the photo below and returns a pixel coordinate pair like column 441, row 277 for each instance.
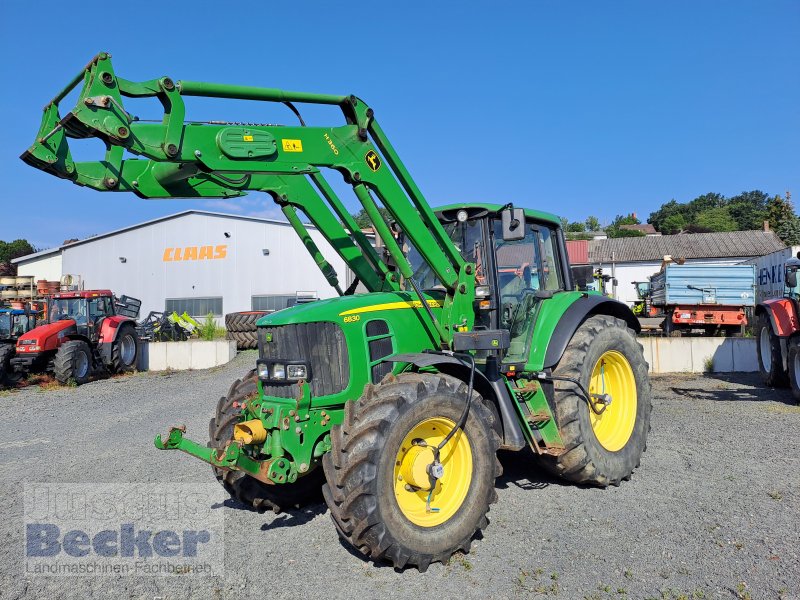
column 578, row 108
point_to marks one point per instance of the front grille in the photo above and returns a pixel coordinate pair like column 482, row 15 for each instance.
column 379, row 348
column 321, row 345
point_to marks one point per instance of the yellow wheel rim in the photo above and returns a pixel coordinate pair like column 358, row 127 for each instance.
column 613, row 375
column 411, row 481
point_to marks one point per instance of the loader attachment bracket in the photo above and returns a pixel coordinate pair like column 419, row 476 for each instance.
column 231, row 457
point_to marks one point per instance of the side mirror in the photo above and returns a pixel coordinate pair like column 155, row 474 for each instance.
column 791, row 278
column 513, row 220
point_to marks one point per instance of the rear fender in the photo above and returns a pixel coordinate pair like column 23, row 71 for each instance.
column 109, row 329
column 508, row 427
column 782, row 313
column 579, row 311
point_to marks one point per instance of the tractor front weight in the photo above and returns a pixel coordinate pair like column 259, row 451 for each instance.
column 276, row 441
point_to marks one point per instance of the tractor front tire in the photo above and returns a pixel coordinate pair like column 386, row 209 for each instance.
column 73, row 362
column 768, row 349
column 251, row 492
column 125, row 350
column 8, row 377
column 604, row 449
column 378, row 487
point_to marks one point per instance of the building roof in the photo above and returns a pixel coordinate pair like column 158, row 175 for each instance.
column 645, row 228
column 145, row 224
column 728, row 244
column 578, row 252
column 39, row 254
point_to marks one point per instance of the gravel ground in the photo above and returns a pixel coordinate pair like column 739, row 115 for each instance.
column 713, row 512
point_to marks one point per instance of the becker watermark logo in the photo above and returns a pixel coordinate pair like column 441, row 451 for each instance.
column 123, row 529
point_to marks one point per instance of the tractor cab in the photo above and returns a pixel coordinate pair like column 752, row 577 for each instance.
column 15, row 322
column 519, row 260
column 86, row 308
column 790, row 278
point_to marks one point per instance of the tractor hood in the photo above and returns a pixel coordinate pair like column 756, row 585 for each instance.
column 45, row 337
column 344, row 309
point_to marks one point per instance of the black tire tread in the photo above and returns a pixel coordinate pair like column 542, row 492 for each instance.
column 64, row 363
column 351, row 466
column 576, row 464
column 243, row 321
column 7, row 375
column 116, row 361
column 252, row 493
column 777, row 377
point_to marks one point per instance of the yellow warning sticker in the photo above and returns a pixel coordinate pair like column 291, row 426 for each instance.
column 292, row 145
column 247, row 138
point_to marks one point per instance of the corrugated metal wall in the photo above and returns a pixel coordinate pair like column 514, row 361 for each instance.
column 234, row 267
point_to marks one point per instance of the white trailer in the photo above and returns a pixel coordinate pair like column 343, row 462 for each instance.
column 769, row 273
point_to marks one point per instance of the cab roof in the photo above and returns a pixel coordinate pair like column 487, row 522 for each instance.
column 539, row 215
column 84, row 294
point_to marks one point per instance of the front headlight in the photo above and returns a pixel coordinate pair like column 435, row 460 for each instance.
column 263, row 371
column 297, row 372
column 278, row 371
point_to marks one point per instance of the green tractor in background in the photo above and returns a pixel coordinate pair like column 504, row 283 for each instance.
column 471, row 336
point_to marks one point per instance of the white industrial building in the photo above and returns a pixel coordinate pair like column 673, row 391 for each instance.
column 195, row 261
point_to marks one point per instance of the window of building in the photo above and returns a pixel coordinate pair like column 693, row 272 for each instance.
column 195, row 307
column 273, row 301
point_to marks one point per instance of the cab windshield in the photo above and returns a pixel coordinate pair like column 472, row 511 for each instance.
column 792, row 290
column 467, row 238
column 68, row 308
column 5, row 325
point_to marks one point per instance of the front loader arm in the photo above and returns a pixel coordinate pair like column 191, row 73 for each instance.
column 226, row 159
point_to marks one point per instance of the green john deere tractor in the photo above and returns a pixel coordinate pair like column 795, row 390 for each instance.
column 470, row 337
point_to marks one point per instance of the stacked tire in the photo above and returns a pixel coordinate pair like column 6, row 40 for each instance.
column 241, row 327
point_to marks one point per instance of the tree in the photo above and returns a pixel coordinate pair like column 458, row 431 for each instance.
column 749, row 209
column 11, row 250
column 715, row 219
column 15, row 249
column 592, row 223
column 615, row 229
column 712, row 212
column 789, row 232
column 576, row 227
column 673, row 224
column 363, row 220
column 783, row 219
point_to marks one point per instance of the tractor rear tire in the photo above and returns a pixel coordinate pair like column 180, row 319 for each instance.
column 8, row 377
column 601, row 451
column 73, row 362
column 768, row 349
column 251, row 492
column 794, row 370
column 384, row 435
column 125, row 350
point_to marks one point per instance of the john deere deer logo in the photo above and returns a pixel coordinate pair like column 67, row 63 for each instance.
column 373, row 160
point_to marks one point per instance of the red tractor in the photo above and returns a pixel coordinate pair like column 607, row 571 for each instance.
column 86, row 331
column 778, row 334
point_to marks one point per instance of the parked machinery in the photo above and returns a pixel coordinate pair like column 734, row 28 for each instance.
column 398, row 398
column 13, row 324
column 708, row 298
column 86, row 331
column 777, row 332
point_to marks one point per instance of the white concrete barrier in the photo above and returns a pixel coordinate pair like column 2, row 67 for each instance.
column 691, row 354
column 181, row 356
